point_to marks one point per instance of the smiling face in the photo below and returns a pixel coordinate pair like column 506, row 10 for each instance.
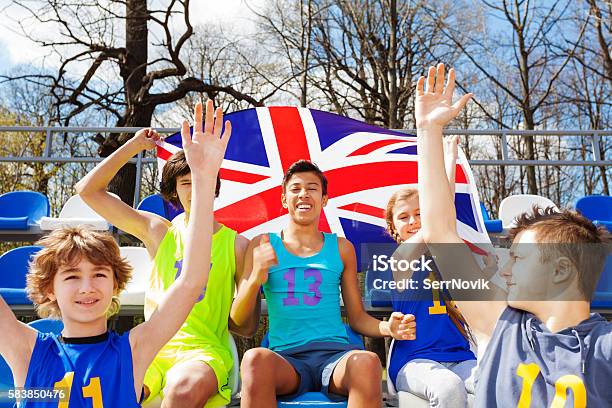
column 303, row 197
column 406, row 217
column 83, row 291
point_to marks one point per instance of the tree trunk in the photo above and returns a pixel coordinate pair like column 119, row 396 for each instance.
column 391, row 61
column 137, row 113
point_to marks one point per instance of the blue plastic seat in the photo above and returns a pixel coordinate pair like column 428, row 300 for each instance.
column 48, row 325
column 157, row 205
column 493, row 226
column 317, row 399
column 19, row 210
column 603, row 291
column 375, row 294
column 13, row 270
column 6, row 377
column 597, row 208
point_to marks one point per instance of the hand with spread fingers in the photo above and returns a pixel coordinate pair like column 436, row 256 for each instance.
column 205, row 149
column 434, row 106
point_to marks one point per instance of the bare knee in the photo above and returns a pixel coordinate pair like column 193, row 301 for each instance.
column 254, row 362
column 364, row 371
column 190, row 388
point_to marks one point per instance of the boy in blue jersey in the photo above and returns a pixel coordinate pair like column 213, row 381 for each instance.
column 538, row 346
column 301, row 270
column 76, row 277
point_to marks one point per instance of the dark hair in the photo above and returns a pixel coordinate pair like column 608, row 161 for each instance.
column 175, row 167
column 305, row 166
column 570, row 231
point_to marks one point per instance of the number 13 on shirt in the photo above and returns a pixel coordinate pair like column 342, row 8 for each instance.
column 313, row 287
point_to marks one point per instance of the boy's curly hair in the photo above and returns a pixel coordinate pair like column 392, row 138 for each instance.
column 67, row 246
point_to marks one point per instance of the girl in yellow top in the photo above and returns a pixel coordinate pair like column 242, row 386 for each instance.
column 193, row 368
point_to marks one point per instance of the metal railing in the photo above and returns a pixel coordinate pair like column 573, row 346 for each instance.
column 595, row 137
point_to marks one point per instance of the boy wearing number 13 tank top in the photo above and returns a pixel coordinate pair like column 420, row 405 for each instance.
column 301, row 270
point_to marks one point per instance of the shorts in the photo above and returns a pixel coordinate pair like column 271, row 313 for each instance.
column 315, row 364
column 168, row 357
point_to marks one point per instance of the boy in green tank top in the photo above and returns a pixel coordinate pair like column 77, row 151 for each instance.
column 192, row 370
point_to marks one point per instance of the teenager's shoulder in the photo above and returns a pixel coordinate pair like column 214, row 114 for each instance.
column 344, row 243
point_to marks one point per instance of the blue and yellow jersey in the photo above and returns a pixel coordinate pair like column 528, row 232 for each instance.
column 93, row 371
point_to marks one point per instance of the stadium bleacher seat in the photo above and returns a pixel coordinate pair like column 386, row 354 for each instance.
column 407, row 399
column 48, row 325
column 603, row 292
column 378, row 297
column 157, row 205
column 75, row 213
column 6, row 377
column 13, row 270
column 597, row 208
column 316, row 399
column 138, row 258
column 515, row 205
column 492, row 226
column 22, row 210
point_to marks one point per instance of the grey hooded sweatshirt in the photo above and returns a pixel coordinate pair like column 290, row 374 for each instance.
column 524, row 362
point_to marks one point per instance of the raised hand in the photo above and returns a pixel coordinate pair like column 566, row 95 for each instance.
column 204, row 150
column 264, row 257
column 433, row 106
column 402, row 327
column 146, row 139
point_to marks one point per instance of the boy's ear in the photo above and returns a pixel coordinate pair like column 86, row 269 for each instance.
column 283, row 200
column 324, row 202
column 564, row 270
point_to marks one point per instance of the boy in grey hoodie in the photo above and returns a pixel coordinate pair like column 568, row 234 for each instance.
column 538, row 344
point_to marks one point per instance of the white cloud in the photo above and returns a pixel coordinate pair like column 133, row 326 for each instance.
column 19, row 49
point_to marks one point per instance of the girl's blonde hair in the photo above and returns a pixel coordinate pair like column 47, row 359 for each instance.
column 67, row 246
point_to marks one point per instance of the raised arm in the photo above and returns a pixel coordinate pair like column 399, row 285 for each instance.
column 451, row 151
column 204, row 153
column 434, row 109
column 399, row 326
column 17, row 343
column 246, row 309
column 92, row 188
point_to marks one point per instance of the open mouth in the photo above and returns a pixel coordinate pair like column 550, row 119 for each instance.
column 304, row 207
column 87, row 302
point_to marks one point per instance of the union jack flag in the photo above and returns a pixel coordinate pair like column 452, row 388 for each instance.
column 364, row 165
